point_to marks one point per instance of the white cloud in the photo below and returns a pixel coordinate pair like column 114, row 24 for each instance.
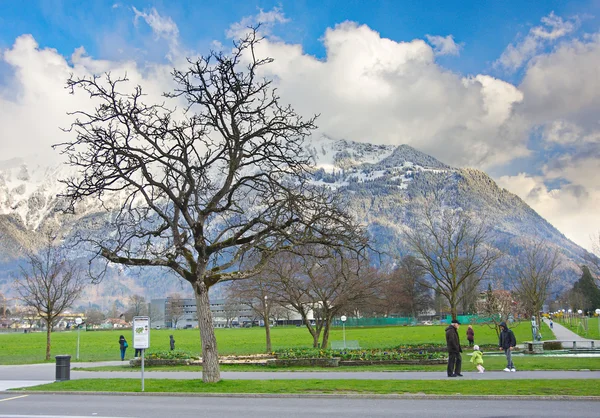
column 163, row 27
column 570, row 209
column 444, row 45
column 562, row 104
column 373, row 89
column 266, row 20
column 35, row 104
column 553, row 28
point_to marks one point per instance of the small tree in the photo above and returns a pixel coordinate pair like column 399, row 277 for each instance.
column 452, row 247
column 404, row 289
column 174, row 309
column 93, row 317
column 254, row 293
column 498, row 306
column 533, row 275
column 49, row 283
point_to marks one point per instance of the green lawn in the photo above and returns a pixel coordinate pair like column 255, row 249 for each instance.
column 575, row 387
column 17, row 348
column 576, row 325
column 491, row 363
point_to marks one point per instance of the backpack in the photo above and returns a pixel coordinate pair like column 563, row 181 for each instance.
column 125, row 345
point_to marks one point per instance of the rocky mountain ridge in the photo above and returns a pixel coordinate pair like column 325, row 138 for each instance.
column 379, row 180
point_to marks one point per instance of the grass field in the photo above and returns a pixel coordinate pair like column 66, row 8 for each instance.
column 593, row 332
column 575, row 387
column 17, row 348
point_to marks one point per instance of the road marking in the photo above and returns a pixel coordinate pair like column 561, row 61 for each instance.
column 53, row 416
column 14, row 397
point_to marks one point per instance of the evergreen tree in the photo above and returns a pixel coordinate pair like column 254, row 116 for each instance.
column 588, row 289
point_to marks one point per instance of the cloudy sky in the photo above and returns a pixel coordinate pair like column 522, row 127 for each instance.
column 511, row 87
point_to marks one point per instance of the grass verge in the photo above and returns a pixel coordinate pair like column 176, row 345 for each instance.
column 491, row 363
column 575, row 387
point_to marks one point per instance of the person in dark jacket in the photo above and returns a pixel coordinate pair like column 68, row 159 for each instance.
column 454, row 349
column 172, row 342
column 470, row 336
column 507, row 342
column 123, row 346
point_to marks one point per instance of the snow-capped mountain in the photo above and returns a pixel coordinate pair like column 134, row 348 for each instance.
column 380, row 181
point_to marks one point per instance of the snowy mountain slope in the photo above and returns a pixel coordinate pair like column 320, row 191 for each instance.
column 379, row 181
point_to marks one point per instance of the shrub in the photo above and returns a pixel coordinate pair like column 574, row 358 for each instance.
column 168, row 355
column 552, row 345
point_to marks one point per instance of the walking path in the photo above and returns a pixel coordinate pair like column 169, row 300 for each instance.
column 20, row 376
column 564, row 334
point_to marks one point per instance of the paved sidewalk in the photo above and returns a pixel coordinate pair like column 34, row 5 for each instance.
column 19, row 376
column 564, row 334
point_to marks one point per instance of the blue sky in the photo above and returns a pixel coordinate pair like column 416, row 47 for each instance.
column 510, row 87
column 485, row 28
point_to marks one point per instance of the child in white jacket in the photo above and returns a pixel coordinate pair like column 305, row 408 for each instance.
column 477, row 359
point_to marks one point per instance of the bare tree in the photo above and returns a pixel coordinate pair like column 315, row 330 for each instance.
column 254, row 294
column 174, row 309
column 498, row 306
column 404, row 289
column 49, row 283
column 324, row 282
column 452, row 247
column 533, row 274
column 205, row 186
column 94, row 317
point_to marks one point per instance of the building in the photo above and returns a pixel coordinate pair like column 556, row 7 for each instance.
column 181, row 313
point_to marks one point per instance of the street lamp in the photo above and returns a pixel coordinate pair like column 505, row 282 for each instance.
column 343, row 318
column 78, row 321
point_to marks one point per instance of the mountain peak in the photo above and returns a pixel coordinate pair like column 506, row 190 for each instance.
column 407, row 154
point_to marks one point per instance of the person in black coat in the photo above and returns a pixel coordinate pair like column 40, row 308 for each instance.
column 507, row 342
column 123, row 346
column 172, row 342
column 454, row 349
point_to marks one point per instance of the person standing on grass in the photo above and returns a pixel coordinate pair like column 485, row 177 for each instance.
column 470, row 336
column 477, row 359
column 123, row 346
column 172, row 342
column 454, row 349
column 507, row 343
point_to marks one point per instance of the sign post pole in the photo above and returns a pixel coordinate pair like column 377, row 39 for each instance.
column 141, row 337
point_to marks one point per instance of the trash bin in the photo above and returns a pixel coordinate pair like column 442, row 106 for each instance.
column 63, row 368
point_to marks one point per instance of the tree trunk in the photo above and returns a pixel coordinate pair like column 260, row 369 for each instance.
column 210, row 356
column 453, row 308
column 326, row 333
column 48, row 343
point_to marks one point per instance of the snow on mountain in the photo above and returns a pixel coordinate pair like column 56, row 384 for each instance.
column 379, row 180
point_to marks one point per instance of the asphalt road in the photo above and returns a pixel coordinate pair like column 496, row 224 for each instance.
column 99, row 406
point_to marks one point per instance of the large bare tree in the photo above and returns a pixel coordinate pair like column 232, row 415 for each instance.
column 534, row 273
column 49, row 283
column 452, row 247
column 404, row 291
column 203, row 187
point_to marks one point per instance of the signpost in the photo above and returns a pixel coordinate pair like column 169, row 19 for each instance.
column 78, row 322
column 141, row 337
column 343, row 318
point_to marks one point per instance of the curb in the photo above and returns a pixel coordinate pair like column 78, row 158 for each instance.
column 317, row 395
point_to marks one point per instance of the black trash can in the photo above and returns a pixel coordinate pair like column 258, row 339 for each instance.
column 63, row 368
